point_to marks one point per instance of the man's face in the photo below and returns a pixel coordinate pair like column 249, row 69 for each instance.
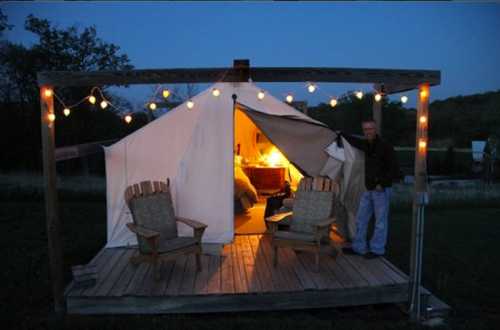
column 370, row 130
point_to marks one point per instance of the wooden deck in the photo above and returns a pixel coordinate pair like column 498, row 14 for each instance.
column 242, row 278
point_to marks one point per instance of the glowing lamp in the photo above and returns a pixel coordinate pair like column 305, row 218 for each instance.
column 152, row 106
column 378, row 97
column 261, row 95
column 166, row 93
column 48, row 92
column 66, row 112
column 424, row 93
column 216, row 92
column 92, row 99
column 190, row 104
column 422, row 145
column 423, row 120
column 333, row 102
column 104, row 104
column 359, row 95
column 128, row 119
column 289, row 98
column 52, row 117
column 311, row 88
column 404, row 99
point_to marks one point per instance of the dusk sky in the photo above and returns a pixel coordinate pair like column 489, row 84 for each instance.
column 460, row 39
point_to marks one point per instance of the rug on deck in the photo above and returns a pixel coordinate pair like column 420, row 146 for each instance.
column 252, row 221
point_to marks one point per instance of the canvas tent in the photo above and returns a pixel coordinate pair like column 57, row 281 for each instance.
column 195, row 149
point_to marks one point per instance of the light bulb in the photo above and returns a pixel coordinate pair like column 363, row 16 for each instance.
column 215, row 92
column 128, row 119
column 359, row 95
column 66, row 112
column 378, row 97
column 261, row 95
column 404, row 99
column 311, row 88
column 152, row 106
column 423, row 119
column 166, row 93
column 333, row 102
column 104, row 104
column 289, row 98
column 48, row 92
column 422, row 144
column 424, row 93
column 92, row 99
column 190, row 104
column 52, row 117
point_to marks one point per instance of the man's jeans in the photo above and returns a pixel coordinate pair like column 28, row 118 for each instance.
column 378, row 202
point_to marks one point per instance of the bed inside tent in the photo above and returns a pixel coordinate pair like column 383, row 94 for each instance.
column 261, row 171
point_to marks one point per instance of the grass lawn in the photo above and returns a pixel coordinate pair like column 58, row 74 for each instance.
column 461, row 266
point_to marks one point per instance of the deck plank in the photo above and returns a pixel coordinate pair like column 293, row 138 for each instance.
column 260, row 264
column 302, row 274
column 94, row 261
column 246, row 256
column 286, row 264
column 278, row 278
column 352, row 272
column 104, row 270
column 117, row 270
column 136, row 283
column 227, row 276
column 158, row 287
column 214, row 280
column 357, row 262
column 240, row 281
column 323, row 278
column 190, row 273
column 175, row 279
column 201, row 282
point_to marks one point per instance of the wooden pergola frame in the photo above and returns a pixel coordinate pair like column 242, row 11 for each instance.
column 385, row 81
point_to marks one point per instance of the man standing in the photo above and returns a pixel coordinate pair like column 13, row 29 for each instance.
column 381, row 167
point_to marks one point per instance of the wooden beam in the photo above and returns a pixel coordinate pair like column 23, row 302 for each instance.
column 81, row 150
column 51, row 202
column 409, row 78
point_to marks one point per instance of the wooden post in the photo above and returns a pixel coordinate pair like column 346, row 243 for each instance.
column 420, row 199
column 51, row 203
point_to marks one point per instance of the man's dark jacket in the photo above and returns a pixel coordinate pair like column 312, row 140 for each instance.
column 381, row 163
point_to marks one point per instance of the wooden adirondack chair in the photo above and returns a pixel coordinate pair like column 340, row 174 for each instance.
column 309, row 222
column 155, row 225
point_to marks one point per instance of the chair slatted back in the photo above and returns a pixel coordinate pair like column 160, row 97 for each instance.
column 318, row 184
column 151, row 206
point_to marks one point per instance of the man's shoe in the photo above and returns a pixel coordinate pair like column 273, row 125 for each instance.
column 349, row 251
column 371, row 255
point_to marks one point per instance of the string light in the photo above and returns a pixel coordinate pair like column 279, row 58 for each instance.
column 52, row 117
column 216, row 92
column 422, row 145
column 261, row 95
column 424, row 93
column 104, row 104
column 359, row 94
column 166, row 93
column 289, row 98
column 92, row 99
column 378, row 97
column 423, row 120
column 190, row 104
column 128, row 119
column 48, row 92
column 333, row 102
column 66, row 112
column 311, row 88
column 152, row 106
column 404, row 99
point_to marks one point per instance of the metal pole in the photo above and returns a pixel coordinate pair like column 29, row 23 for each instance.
column 420, row 199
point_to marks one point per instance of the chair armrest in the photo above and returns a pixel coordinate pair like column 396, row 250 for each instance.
column 278, row 217
column 191, row 223
column 141, row 231
column 325, row 223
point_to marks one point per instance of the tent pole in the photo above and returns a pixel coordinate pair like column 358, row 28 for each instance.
column 51, row 202
column 420, row 199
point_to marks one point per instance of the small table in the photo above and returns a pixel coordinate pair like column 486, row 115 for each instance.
column 266, row 179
